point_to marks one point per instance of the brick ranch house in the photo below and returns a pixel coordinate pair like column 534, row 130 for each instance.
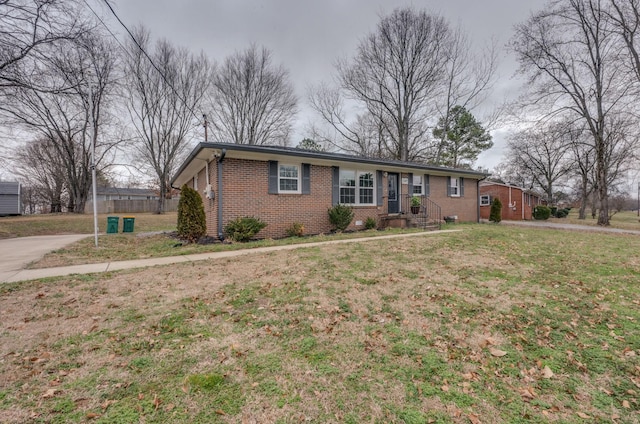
column 282, row 186
column 517, row 202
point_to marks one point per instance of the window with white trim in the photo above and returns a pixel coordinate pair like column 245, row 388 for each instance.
column 418, row 189
column 485, row 200
column 455, row 187
column 288, row 178
column 357, row 187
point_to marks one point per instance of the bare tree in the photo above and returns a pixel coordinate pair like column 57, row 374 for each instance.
column 28, row 28
column 396, row 74
column 163, row 92
column 469, row 79
column 40, row 168
column 625, row 15
column 363, row 135
column 573, row 61
column 253, row 100
column 582, row 169
column 71, row 119
column 541, row 155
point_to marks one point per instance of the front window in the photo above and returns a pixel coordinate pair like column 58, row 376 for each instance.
column 289, row 179
column 365, row 188
column 417, row 185
column 485, row 200
column 455, row 187
column 357, row 188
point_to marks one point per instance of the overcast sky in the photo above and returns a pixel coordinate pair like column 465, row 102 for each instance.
column 307, row 36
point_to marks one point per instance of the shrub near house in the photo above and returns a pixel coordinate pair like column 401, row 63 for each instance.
column 282, row 186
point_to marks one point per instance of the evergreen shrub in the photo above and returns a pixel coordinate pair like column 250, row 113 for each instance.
column 541, row 212
column 370, row 223
column 496, row 211
column 244, row 228
column 340, row 216
column 192, row 222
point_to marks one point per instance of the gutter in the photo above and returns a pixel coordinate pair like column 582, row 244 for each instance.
column 223, row 153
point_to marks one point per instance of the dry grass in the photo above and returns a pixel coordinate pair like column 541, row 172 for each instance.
column 400, row 331
column 52, row 224
column 626, row 220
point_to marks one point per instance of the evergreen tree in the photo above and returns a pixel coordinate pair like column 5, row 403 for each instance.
column 462, row 140
column 192, row 223
column 496, row 211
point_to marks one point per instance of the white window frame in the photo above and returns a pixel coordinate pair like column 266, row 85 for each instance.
column 298, row 178
column 455, row 187
column 357, row 187
column 418, row 184
column 483, row 198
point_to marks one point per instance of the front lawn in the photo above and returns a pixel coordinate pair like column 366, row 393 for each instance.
column 492, row 324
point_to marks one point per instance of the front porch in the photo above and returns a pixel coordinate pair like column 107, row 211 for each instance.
column 427, row 215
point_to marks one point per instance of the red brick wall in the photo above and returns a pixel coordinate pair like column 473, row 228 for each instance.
column 245, row 193
column 465, row 207
column 508, row 214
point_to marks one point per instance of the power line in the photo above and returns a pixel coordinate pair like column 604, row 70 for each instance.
column 107, row 28
column 146, row 55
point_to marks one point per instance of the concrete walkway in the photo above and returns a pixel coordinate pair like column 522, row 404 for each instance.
column 16, row 253
column 15, row 275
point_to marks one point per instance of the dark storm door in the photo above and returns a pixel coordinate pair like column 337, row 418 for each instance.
column 393, row 201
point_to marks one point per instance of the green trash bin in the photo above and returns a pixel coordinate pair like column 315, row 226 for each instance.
column 112, row 224
column 127, row 224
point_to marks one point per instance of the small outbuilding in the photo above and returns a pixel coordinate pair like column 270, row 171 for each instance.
column 10, row 201
column 517, row 202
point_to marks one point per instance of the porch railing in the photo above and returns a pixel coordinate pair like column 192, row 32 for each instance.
column 428, row 214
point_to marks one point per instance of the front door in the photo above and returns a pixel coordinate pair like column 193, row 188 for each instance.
column 393, row 202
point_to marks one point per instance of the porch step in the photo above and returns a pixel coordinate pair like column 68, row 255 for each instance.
column 424, row 223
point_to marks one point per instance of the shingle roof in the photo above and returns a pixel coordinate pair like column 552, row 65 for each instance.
column 328, row 156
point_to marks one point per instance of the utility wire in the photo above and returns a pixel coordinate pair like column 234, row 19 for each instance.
column 107, row 28
column 147, row 56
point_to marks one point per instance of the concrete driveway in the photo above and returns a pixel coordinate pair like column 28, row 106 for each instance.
column 16, row 253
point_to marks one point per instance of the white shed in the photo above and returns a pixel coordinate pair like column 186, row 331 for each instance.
column 10, row 202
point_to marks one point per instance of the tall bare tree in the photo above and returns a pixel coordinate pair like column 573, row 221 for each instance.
column 164, row 91
column 70, row 119
column 582, row 170
column 625, row 15
column 253, row 100
column 28, row 28
column 572, row 58
column 362, row 135
column 396, row 74
column 541, row 155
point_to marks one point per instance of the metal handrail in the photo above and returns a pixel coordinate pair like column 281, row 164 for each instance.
column 429, row 212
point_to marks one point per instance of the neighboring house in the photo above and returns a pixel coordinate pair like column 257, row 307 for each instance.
column 10, row 201
column 283, row 186
column 115, row 193
column 517, row 202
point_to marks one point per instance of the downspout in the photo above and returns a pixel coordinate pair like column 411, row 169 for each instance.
column 220, row 203
column 522, row 204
